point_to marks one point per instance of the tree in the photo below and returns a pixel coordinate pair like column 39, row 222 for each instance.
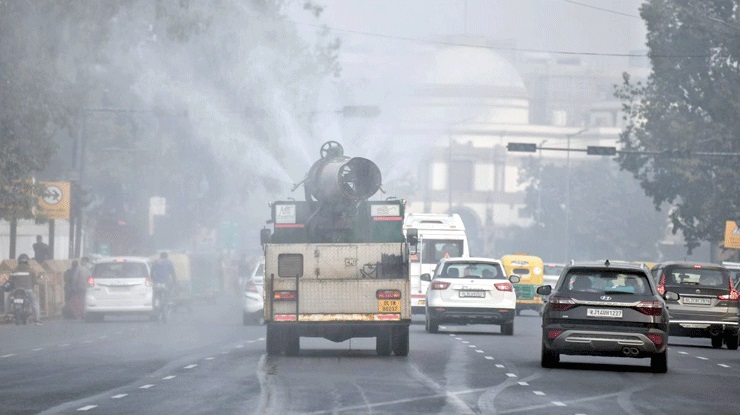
column 690, row 103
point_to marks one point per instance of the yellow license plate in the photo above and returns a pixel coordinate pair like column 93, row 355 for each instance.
column 389, row 306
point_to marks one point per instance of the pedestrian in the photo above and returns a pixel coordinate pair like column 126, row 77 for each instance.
column 41, row 250
column 69, row 289
column 79, row 287
column 25, row 278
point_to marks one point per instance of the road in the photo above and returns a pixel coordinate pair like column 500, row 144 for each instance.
column 208, row 363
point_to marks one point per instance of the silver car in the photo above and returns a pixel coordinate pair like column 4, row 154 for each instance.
column 470, row 291
column 118, row 285
column 252, row 295
column 602, row 309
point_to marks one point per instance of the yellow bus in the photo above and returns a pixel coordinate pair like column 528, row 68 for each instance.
column 530, row 270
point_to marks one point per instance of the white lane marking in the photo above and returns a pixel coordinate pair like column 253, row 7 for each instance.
column 191, row 366
column 87, row 408
column 524, row 383
column 539, row 393
column 239, row 346
column 251, row 341
column 38, row 350
column 147, row 386
column 87, row 341
column 489, row 357
column 64, row 345
column 119, row 396
column 7, row 355
column 260, row 339
column 511, row 375
column 458, row 338
column 479, row 351
column 702, row 358
column 723, row 365
column 209, row 358
column 471, row 345
column 451, row 335
column 499, row 365
column 465, row 342
column 558, row 403
column 168, row 377
column 683, row 352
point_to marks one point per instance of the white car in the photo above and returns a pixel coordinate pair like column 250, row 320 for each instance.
column 470, row 291
column 252, row 295
column 118, row 285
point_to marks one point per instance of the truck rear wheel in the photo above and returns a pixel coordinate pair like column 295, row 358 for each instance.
column 401, row 341
column 292, row 344
column 273, row 340
column 383, row 343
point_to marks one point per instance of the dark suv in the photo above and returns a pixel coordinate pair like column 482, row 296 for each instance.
column 708, row 306
column 604, row 309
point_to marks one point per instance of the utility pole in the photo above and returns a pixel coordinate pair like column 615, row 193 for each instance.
column 567, row 195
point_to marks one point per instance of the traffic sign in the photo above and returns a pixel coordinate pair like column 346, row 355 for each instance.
column 54, row 202
column 732, row 234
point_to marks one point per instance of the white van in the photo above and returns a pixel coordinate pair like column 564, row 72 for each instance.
column 440, row 236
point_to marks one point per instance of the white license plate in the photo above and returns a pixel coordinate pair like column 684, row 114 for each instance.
column 603, row 312
column 699, row 301
column 17, row 301
column 422, row 302
column 473, row 294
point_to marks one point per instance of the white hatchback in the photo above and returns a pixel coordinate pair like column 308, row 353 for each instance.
column 252, row 295
column 470, row 291
column 118, row 285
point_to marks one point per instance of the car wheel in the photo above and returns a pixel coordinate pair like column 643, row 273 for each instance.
column 732, row 341
column 401, row 341
column 383, row 343
column 507, row 329
column 431, row 325
column 550, row 358
column 659, row 362
column 717, row 342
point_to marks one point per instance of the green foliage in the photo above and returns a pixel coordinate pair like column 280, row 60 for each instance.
column 691, row 102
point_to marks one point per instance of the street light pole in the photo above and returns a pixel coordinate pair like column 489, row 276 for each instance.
column 567, row 194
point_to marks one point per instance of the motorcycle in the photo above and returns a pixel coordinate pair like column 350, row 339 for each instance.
column 20, row 305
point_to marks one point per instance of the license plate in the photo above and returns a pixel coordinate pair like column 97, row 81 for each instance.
column 17, row 301
column 119, row 289
column 699, row 301
column 473, row 294
column 422, row 302
column 603, row 312
column 389, row 306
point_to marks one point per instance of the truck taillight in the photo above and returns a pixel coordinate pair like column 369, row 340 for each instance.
column 561, row 303
column 651, row 308
column 732, row 296
column 284, row 295
column 91, row 281
column 440, row 285
column 388, row 294
column 503, row 286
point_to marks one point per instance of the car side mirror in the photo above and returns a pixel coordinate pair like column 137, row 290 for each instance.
column 671, row 296
column 514, row 279
column 544, row 290
column 426, row 277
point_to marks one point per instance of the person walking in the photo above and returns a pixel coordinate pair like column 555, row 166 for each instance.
column 41, row 250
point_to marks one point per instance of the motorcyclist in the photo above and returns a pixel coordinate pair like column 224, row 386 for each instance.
column 25, row 278
column 163, row 275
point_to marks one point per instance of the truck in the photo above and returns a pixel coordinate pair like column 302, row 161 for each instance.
column 337, row 263
column 439, row 235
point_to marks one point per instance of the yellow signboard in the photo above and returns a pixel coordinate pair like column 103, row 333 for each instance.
column 732, row 235
column 55, row 201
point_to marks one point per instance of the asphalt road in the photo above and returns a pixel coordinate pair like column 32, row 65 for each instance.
column 208, row 363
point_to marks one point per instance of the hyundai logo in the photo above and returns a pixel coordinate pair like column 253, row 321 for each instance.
column 605, row 298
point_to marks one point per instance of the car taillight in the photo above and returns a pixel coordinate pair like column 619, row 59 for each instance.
column 732, row 296
column 148, row 282
column 440, row 285
column 251, row 287
column 503, row 286
column 561, row 303
column 651, row 308
column 387, row 294
column 284, row 295
column 661, row 285
column 657, row 339
column 553, row 334
column 91, row 281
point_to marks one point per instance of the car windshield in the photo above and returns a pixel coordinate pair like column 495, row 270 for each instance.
column 696, row 277
column 482, row 270
column 435, row 249
column 120, row 270
column 606, row 282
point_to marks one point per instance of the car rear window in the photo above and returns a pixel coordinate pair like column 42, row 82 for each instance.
column 696, row 277
column 472, row 270
column 435, row 249
column 606, row 282
column 120, row 270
